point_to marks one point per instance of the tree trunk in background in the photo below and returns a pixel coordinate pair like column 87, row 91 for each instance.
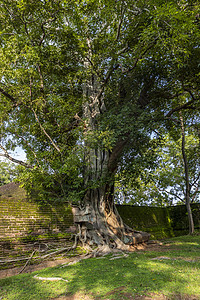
column 187, row 190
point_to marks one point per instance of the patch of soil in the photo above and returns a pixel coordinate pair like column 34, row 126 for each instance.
column 153, row 296
column 119, row 291
column 77, row 296
column 35, row 267
column 157, row 246
column 14, row 256
column 32, row 268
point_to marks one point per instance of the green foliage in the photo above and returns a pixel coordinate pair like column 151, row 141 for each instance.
column 158, row 177
column 142, row 55
column 63, row 183
column 8, row 172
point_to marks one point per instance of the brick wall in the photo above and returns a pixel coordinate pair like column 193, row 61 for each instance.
column 20, row 216
column 160, row 222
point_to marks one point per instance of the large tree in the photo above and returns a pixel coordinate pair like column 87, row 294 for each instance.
column 157, row 177
column 82, row 83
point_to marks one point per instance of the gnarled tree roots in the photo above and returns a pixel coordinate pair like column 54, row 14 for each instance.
column 101, row 234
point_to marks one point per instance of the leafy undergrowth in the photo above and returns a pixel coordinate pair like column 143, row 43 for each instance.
column 172, row 273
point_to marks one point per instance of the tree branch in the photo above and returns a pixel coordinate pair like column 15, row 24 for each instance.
column 162, row 190
column 116, row 153
column 42, row 128
column 120, row 22
column 170, row 193
column 98, row 96
column 140, row 57
column 180, row 107
column 20, row 162
column 7, row 95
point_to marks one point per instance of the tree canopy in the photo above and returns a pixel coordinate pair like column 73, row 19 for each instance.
column 157, row 177
column 84, row 83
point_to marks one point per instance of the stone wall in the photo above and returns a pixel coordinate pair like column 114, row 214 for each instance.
column 154, row 220
column 160, row 222
column 21, row 217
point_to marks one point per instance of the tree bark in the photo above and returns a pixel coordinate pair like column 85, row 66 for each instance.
column 187, row 189
column 98, row 220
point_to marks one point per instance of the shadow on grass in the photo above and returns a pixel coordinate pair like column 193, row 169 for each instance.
column 25, row 287
column 137, row 274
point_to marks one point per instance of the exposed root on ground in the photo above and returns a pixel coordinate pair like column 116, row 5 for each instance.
column 65, row 258
column 100, row 231
column 49, row 278
column 39, row 254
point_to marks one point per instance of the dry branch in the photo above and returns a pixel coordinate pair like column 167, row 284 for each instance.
column 58, row 251
column 27, row 262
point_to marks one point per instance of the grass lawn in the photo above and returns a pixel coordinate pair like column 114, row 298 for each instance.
column 171, row 272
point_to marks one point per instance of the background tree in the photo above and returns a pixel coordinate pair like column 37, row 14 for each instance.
column 173, row 177
column 8, row 172
column 158, row 177
column 82, row 83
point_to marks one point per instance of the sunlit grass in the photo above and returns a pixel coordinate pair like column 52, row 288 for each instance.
column 172, row 272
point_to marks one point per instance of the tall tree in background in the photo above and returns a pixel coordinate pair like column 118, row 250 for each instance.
column 187, row 179
column 82, row 83
column 157, row 177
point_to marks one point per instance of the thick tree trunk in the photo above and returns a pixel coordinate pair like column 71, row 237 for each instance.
column 98, row 220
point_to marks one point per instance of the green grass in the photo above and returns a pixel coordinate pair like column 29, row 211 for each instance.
column 138, row 274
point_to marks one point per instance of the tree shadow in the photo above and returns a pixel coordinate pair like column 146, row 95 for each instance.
column 135, row 275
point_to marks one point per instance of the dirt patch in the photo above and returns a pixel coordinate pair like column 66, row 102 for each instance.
column 36, row 267
column 120, row 293
column 77, row 296
column 157, row 246
column 32, row 268
column 153, row 296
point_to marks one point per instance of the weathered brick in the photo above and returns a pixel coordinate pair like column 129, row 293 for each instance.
column 20, row 216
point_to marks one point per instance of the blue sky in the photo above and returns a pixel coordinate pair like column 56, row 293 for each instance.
column 17, row 154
